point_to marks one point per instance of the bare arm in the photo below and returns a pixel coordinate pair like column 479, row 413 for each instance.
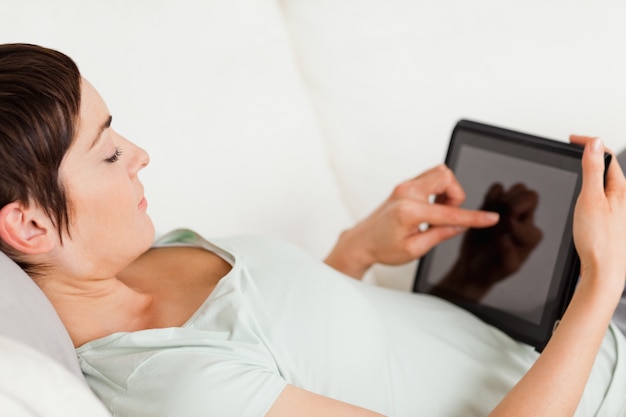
column 296, row 402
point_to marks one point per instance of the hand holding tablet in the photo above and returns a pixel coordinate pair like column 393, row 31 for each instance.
column 520, row 274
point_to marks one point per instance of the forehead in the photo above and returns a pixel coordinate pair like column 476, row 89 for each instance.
column 93, row 114
column 92, row 104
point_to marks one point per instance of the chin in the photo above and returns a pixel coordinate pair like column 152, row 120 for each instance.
column 144, row 236
column 151, row 232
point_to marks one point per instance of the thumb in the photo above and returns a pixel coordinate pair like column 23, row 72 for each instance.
column 593, row 168
column 426, row 240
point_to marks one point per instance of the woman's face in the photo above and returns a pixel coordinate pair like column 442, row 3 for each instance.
column 109, row 226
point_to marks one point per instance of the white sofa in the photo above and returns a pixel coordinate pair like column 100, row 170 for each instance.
column 297, row 117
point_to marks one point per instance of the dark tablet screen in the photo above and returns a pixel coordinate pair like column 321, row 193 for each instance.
column 518, row 275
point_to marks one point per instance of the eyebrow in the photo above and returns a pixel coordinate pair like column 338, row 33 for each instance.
column 103, row 127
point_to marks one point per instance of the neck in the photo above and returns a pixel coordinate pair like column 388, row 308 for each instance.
column 93, row 309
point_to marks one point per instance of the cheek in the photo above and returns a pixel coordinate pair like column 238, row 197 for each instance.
column 103, row 205
column 110, row 228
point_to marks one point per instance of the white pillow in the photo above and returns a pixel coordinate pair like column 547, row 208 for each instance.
column 32, row 385
column 27, row 316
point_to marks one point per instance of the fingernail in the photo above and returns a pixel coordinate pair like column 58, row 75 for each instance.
column 596, row 145
column 492, row 216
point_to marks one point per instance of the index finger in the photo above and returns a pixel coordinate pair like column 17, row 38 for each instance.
column 442, row 215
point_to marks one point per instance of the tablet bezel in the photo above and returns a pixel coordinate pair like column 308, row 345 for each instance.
column 545, row 151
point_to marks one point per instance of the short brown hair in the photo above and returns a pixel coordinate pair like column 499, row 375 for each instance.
column 39, row 110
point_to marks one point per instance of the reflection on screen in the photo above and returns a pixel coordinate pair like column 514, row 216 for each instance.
column 508, row 266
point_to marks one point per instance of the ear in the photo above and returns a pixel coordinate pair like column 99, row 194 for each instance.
column 26, row 229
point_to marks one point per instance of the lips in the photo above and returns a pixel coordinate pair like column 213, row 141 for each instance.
column 143, row 204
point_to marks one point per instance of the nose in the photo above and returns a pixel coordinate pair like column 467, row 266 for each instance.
column 138, row 158
column 143, row 158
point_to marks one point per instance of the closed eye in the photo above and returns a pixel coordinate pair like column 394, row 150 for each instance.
column 116, row 155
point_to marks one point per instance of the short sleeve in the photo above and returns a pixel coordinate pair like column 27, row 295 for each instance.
column 184, row 382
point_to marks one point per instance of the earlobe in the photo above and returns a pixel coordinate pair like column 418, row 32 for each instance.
column 26, row 229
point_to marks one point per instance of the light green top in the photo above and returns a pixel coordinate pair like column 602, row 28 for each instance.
column 281, row 317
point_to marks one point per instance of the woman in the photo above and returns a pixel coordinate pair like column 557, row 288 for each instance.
column 251, row 326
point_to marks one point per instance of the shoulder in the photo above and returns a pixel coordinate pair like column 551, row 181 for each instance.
column 254, row 244
column 248, row 246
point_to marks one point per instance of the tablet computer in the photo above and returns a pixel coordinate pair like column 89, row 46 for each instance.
column 520, row 274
